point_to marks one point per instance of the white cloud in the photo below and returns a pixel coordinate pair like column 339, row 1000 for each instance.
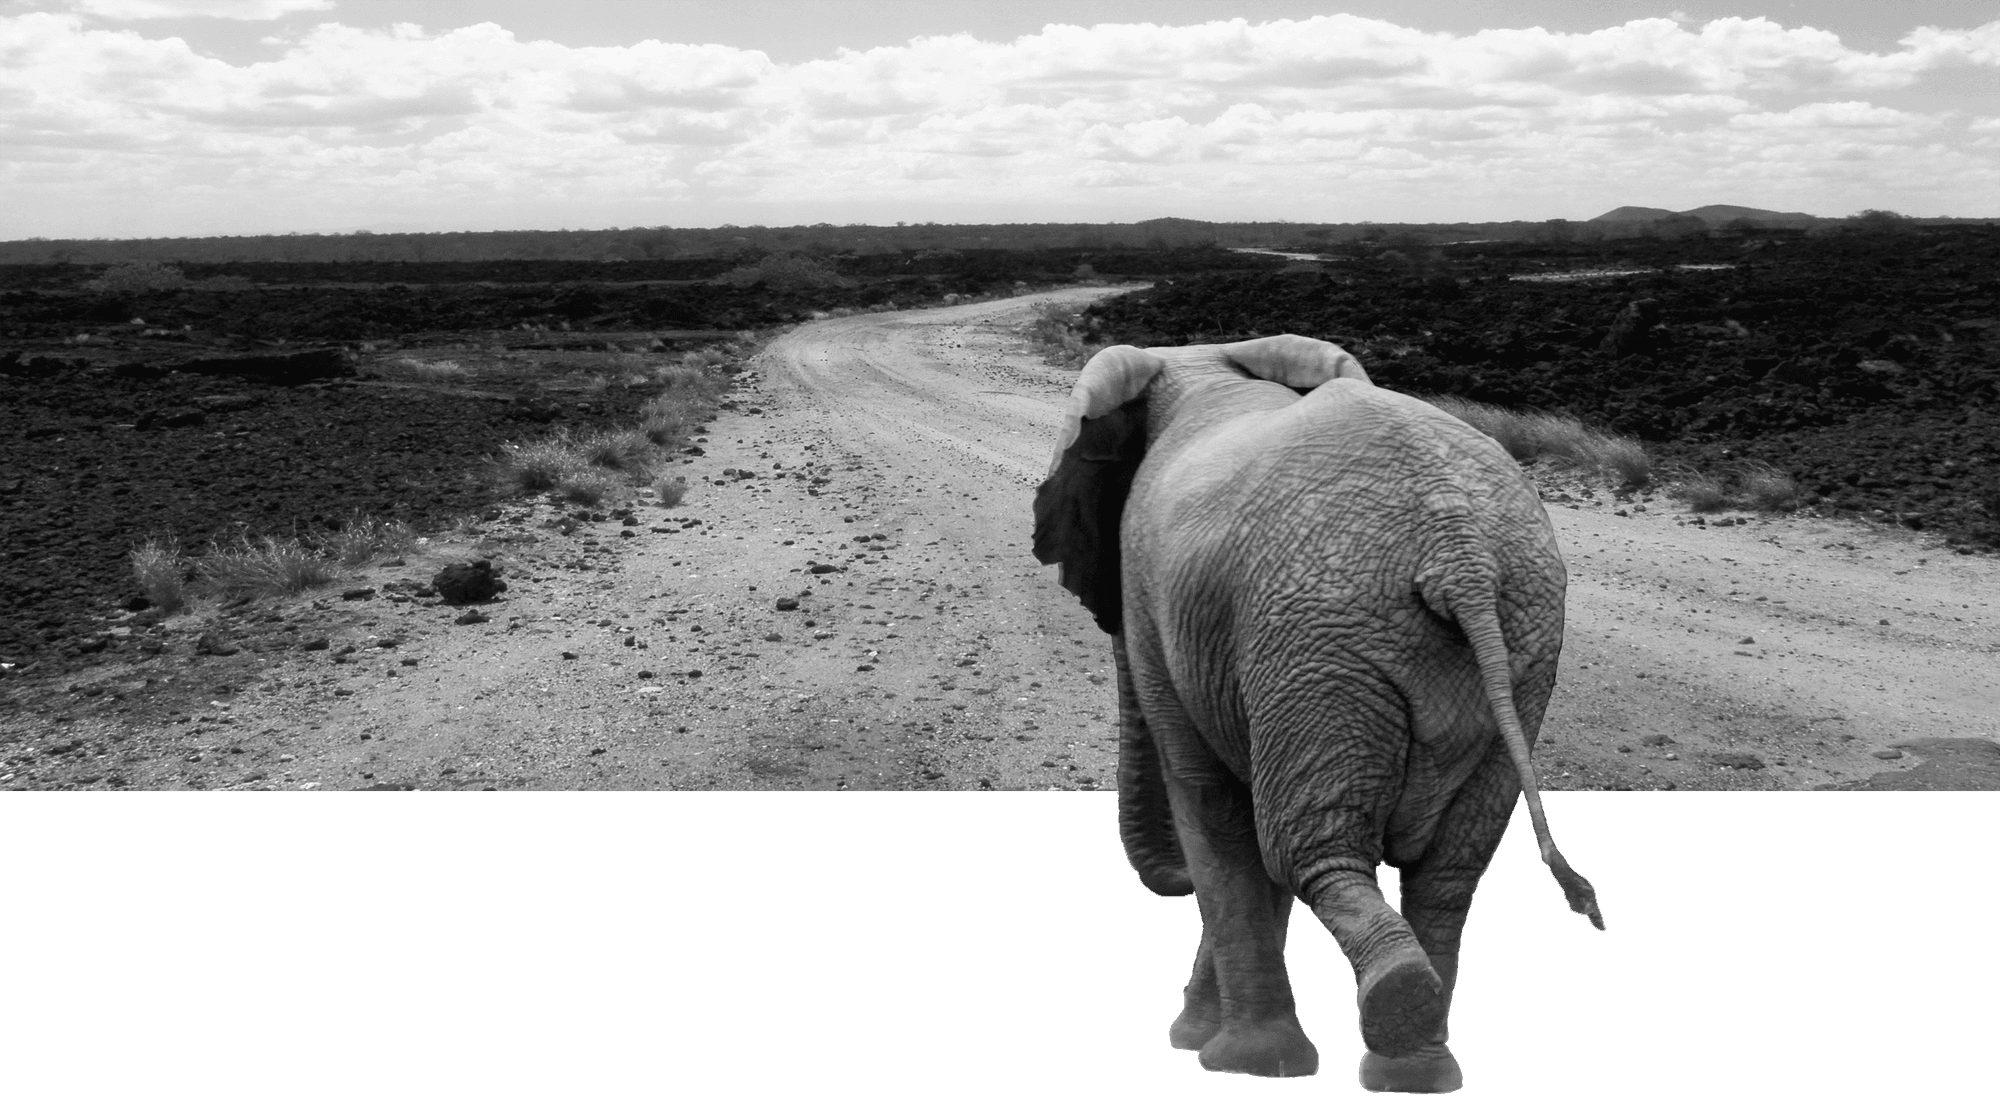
column 246, row 10
column 1334, row 117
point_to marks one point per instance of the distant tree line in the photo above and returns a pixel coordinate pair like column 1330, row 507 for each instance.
column 748, row 243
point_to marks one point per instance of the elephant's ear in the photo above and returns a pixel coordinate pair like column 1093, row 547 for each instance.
column 1295, row 360
column 1098, row 450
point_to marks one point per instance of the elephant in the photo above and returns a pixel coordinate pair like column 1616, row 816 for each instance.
column 1335, row 615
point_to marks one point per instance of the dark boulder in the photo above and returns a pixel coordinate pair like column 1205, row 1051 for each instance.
column 473, row 582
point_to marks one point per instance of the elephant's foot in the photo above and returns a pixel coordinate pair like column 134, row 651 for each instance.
column 1430, row 1069
column 1402, row 1004
column 1193, row 1029
column 1277, row 1048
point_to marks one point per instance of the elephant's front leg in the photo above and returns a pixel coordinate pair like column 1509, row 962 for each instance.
column 1201, row 1013
column 1239, row 1008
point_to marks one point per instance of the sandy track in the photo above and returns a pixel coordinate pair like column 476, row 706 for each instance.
column 903, row 450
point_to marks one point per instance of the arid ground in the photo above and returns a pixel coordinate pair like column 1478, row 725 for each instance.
column 875, row 473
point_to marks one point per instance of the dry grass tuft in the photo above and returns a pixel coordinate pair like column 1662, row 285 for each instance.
column 264, row 567
column 1766, row 487
column 589, row 487
column 541, row 465
column 671, row 491
column 625, row 450
column 1536, row 435
column 362, row 538
column 162, row 573
column 1702, row 494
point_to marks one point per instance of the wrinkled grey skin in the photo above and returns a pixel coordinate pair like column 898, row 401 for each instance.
column 1331, row 615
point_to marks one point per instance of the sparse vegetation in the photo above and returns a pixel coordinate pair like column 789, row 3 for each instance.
column 162, row 573
column 1765, row 487
column 590, row 468
column 362, row 538
column 265, row 567
column 1062, row 337
column 1702, row 494
column 1535, row 435
column 138, row 276
column 670, row 491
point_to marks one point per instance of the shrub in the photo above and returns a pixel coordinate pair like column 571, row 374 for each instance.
column 137, row 276
column 162, row 573
column 670, row 491
column 268, row 566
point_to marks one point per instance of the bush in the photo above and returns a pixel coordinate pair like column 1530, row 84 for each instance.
column 671, row 492
column 138, row 276
column 162, row 573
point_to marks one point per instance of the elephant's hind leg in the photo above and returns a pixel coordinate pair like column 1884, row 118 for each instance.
column 1437, row 893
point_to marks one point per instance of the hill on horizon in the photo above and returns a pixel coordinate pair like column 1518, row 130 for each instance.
column 1713, row 215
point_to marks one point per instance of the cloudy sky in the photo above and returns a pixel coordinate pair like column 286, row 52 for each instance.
column 198, row 117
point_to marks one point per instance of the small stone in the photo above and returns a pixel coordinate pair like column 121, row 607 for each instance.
column 388, row 642
column 1883, row 621
column 1623, row 749
column 357, row 594
column 786, row 605
column 1656, row 741
column 631, row 641
column 569, row 655
column 317, row 643
column 865, row 666
column 92, row 645
column 1747, row 640
column 648, row 691
column 410, row 662
column 823, row 569
column 645, row 674
column 1739, row 761
column 287, row 758
column 694, row 674
column 474, row 617
column 1889, row 755
column 1672, row 757
column 774, row 637
column 211, row 644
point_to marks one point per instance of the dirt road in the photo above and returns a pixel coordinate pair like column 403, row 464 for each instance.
column 877, row 470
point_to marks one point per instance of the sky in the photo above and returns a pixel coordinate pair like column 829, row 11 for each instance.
column 123, row 118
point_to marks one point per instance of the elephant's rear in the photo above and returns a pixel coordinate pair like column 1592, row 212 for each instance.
column 1311, row 633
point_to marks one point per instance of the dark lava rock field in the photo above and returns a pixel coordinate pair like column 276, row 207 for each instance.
column 1867, row 365
column 246, row 399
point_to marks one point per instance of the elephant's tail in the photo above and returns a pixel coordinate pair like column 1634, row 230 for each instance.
column 1481, row 622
